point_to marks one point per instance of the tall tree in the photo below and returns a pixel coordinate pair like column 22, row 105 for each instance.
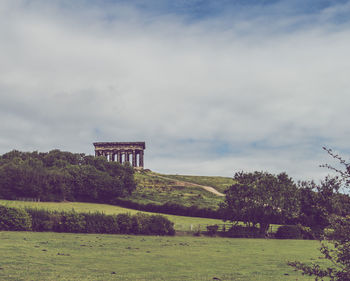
column 261, row 197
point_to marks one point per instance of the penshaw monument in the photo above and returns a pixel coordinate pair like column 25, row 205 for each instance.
column 122, row 152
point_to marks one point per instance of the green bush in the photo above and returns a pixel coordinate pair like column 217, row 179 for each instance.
column 14, row 219
column 44, row 220
column 212, row 229
column 125, row 223
column 306, row 233
column 240, row 231
column 160, row 225
column 101, row 223
column 288, row 232
column 72, row 222
column 141, row 224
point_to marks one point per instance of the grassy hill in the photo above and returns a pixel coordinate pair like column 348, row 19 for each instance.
column 219, row 183
column 158, row 189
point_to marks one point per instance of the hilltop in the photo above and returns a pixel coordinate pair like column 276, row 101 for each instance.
column 201, row 191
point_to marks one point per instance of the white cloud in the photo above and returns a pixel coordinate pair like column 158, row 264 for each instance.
column 72, row 76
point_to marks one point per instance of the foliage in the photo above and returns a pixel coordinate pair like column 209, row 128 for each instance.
column 288, row 232
column 59, row 176
column 262, row 198
column 75, row 222
column 336, row 242
column 212, row 229
column 160, row 225
column 241, row 231
column 14, row 219
column 317, row 202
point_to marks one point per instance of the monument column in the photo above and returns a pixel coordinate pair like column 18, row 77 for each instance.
column 134, row 164
column 141, row 158
column 128, row 156
column 120, row 156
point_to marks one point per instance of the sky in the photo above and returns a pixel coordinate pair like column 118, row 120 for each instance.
column 212, row 86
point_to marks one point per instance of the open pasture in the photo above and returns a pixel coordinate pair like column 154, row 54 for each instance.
column 61, row 256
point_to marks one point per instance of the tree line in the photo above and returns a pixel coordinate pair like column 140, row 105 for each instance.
column 60, row 176
column 262, row 198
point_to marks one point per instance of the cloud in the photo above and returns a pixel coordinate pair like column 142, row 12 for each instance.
column 250, row 88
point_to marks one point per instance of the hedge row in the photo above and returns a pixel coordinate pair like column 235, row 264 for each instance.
column 44, row 220
column 241, row 231
column 14, row 219
column 170, row 208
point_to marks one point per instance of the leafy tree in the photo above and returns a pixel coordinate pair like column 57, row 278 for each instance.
column 59, row 175
column 262, row 198
column 335, row 244
column 317, row 202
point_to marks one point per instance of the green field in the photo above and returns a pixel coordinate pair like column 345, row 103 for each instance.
column 153, row 188
column 62, row 256
column 181, row 223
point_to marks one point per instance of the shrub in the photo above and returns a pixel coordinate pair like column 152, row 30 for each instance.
column 240, row 231
column 125, row 223
column 72, row 222
column 160, row 225
column 42, row 220
column 212, row 229
column 306, row 233
column 288, row 232
column 101, row 223
column 141, row 224
column 14, row 219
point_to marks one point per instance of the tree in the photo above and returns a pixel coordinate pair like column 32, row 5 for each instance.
column 59, row 175
column 318, row 202
column 335, row 243
column 262, row 198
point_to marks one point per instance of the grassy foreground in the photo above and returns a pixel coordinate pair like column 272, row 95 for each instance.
column 60, row 256
column 181, row 222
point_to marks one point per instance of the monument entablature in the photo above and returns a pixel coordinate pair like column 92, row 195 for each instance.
column 121, row 152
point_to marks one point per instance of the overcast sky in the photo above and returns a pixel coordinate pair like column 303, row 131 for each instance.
column 212, row 87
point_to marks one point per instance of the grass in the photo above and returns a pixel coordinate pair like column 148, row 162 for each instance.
column 219, row 183
column 181, row 223
column 62, row 256
column 153, row 189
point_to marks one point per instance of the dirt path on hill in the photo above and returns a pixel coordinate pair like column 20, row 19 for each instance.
column 190, row 184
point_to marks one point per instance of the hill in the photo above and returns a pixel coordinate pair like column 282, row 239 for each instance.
column 201, row 191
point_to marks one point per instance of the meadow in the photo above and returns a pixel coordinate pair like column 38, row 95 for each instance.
column 63, row 256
